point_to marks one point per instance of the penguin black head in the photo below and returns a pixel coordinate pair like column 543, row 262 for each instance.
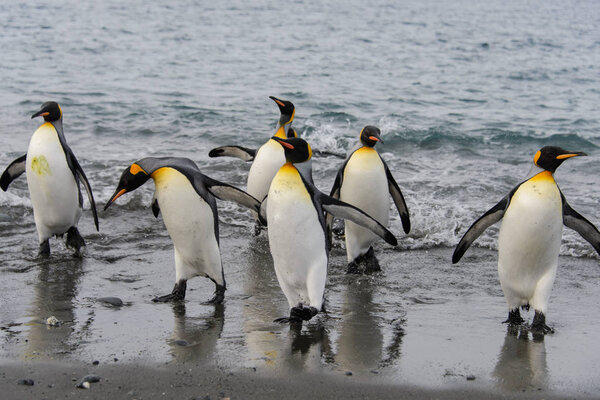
column 132, row 178
column 550, row 157
column 370, row 135
column 287, row 110
column 50, row 111
column 296, row 150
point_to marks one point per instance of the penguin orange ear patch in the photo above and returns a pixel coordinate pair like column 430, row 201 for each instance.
column 537, row 157
column 135, row 169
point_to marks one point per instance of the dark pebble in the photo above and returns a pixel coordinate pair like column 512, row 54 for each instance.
column 26, row 382
column 91, row 378
column 181, row 342
column 374, row 371
column 113, row 301
column 470, row 377
column 96, row 362
column 348, row 373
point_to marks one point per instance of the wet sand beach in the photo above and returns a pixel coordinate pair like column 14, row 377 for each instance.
column 421, row 328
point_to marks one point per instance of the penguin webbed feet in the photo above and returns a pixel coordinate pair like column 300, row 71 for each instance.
column 219, row 295
column 514, row 317
column 298, row 314
column 75, row 241
column 44, row 251
column 538, row 326
column 368, row 259
column 178, row 293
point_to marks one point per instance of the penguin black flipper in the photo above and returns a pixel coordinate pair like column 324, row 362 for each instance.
column 240, row 152
column 80, row 177
column 224, row 191
column 572, row 219
column 347, row 211
column 13, row 171
column 155, row 207
column 488, row 219
column 398, row 198
column 262, row 213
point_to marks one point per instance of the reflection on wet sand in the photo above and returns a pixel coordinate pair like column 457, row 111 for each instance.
column 277, row 346
column 360, row 346
column 522, row 361
column 195, row 338
column 55, row 292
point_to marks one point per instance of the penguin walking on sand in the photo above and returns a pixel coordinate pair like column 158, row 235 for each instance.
column 365, row 181
column 295, row 214
column 187, row 200
column 53, row 177
column 532, row 214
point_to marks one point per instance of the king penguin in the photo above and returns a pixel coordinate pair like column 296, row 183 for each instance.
column 365, row 181
column 532, row 214
column 186, row 198
column 53, row 177
column 295, row 214
column 269, row 157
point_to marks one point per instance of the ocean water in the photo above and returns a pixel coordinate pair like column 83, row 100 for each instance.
column 464, row 92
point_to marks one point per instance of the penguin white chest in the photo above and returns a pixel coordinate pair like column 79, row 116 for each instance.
column 365, row 186
column 269, row 158
column 530, row 236
column 52, row 186
column 296, row 239
column 190, row 223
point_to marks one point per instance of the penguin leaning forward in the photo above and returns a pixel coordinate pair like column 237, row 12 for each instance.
column 186, row 198
column 533, row 214
column 295, row 214
column 365, row 181
column 53, row 177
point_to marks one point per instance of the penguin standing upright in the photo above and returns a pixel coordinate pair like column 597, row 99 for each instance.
column 53, row 177
column 365, row 181
column 532, row 214
column 295, row 215
column 269, row 157
column 186, row 198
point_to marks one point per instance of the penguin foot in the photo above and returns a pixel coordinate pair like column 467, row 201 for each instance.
column 514, row 317
column 304, row 313
column 219, row 295
column 353, row 268
column 371, row 262
column 538, row 326
column 368, row 259
column 44, row 249
column 178, row 293
column 75, row 241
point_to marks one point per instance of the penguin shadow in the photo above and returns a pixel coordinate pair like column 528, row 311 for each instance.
column 195, row 338
column 361, row 344
column 55, row 292
column 522, row 361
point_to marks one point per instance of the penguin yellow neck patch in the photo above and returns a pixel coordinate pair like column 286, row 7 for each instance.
column 543, row 176
column 40, row 166
column 281, row 133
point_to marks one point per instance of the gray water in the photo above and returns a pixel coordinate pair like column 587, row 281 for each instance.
column 464, row 92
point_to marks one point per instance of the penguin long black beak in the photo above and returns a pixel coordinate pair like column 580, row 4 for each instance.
column 283, row 143
column 376, row 138
column 118, row 193
column 569, row 155
column 276, row 100
column 40, row 113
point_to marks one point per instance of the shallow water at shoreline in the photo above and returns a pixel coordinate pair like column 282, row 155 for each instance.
column 421, row 321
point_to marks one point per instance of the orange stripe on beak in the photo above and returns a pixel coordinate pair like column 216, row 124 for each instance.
column 375, row 138
column 565, row 156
